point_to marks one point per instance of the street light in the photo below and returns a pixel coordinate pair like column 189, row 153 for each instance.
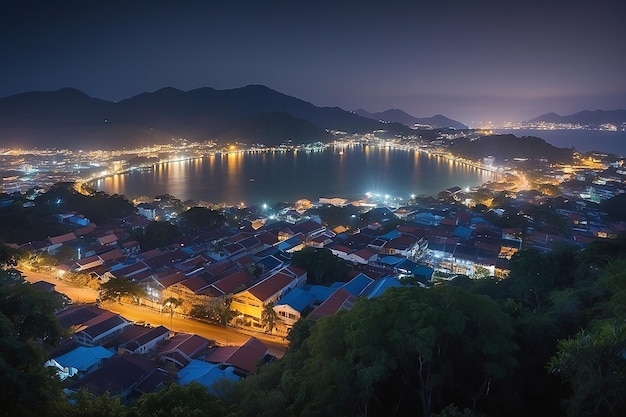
column 169, row 305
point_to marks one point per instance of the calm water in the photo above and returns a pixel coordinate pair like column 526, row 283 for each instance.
column 257, row 178
column 581, row 140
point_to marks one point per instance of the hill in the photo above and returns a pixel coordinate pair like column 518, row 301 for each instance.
column 586, row 117
column 399, row 116
column 68, row 118
column 509, row 147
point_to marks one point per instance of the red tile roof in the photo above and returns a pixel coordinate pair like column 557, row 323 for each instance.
column 340, row 299
column 229, row 283
column 55, row 240
column 271, row 285
column 245, row 357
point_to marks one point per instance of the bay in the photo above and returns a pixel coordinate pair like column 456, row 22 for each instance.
column 581, row 140
column 256, row 178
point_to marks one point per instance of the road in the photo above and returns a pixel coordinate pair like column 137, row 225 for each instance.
column 221, row 335
column 77, row 295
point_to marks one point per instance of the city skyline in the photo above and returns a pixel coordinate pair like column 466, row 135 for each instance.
column 473, row 62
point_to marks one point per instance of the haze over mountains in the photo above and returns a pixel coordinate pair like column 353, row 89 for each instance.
column 586, row 117
column 399, row 116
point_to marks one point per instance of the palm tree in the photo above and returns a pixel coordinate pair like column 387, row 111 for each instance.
column 172, row 303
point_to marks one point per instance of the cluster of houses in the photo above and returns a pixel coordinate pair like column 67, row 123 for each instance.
column 108, row 353
column 248, row 267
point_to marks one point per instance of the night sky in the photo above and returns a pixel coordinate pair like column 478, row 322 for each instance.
column 469, row 60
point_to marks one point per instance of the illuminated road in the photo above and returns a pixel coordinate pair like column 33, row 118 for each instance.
column 77, row 295
column 221, row 335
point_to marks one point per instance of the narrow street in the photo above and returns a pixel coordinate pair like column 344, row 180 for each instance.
column 221, row 335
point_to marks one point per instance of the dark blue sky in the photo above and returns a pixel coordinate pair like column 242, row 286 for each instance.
column 469, row 60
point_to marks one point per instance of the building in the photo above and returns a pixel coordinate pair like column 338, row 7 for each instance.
column 251, row 302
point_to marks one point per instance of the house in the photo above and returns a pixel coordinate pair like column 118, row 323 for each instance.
column 357, row 284
column 339, row 300
column 290, row 307
column 378, row 287
column 130, row 271
column 231, row 283
column 293, row 244
column 363, row 256
column 406, row 245
column 107, row 240
column 179, row 350
column 341, row 251
column 79, row 361
column 97, row 330
column 131, row 248
column 252, row 301
column 244, row 358
column 146, row 210
column 56, row 242
column 206, row 374
column 144, row 339
column 87, row 263
column 118, row 376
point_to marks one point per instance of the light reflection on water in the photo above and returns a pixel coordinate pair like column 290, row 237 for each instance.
column 257, row 178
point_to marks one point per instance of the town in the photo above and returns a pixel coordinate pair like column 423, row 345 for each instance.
column 258, row 271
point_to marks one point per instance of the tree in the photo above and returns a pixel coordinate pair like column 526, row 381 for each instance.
column 269, row 318
column 218, row 311
column 171, row 303
column 615, row 207
column 9, row 259
column 117, row 288
column 85, row 404
column 409, row 349
column 594, row 365
column 179, row 400
column 201, row 218
column 26, row 319
column 321, row 265
column 158, row 235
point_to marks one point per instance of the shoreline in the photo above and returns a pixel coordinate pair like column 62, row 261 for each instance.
column 496, row 173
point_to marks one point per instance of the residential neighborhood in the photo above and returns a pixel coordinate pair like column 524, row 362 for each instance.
column 253, row 275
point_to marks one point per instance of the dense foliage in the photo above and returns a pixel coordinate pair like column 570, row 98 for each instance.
column 322, row 267
column 38, row 220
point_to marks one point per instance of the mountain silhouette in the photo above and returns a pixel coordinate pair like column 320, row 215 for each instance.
column 68, row 118
column 586, row 117
column 399, row 116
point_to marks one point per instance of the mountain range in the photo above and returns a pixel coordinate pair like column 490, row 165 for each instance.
column 69, row 118
column 399, row 116
column 590, row 118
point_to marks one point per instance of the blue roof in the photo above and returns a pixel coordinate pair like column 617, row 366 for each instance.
column 424, row 271
column 391, row 260
column 83, row 358
column 292, row 242
column 407, row 265
column 320, row 292
column 392, row 234
column 270, row 262
column 426, row 218
column 377, row 288
column 204, row 373
column 297, row 299
column 462, row 231
column 357, row 284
